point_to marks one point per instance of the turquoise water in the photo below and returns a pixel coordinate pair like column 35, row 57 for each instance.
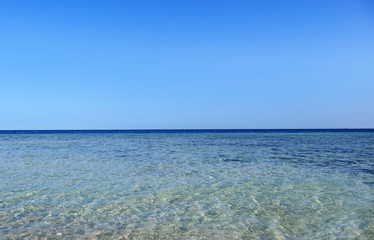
column 302, row 185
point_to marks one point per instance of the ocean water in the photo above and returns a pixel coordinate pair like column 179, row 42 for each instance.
column 187, row 185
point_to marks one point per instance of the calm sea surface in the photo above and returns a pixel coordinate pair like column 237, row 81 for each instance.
column 187, row 185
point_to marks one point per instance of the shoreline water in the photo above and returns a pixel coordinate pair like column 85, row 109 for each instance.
column 183, row 186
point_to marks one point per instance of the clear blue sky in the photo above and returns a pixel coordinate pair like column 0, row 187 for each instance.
column 186, row 64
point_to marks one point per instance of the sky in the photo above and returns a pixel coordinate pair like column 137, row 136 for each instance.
column 186, row 64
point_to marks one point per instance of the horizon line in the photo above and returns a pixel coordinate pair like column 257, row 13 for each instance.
column 184, row 129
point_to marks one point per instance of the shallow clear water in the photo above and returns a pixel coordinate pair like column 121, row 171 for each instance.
column 187, row 186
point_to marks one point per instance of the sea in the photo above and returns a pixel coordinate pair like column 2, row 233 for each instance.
column 187, row 184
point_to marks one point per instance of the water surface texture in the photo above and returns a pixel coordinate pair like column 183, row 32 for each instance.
column 187, row 185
